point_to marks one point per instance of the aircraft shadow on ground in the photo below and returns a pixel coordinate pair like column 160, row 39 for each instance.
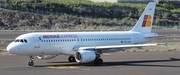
column 117, row 63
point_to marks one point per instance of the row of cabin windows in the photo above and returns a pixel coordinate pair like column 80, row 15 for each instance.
column 66, row 40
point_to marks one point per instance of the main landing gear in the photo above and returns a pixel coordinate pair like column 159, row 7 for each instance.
column 98, row 61
column 31, row 63
column 71, row 58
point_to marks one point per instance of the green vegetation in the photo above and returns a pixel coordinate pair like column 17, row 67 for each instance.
column 74, row 13
column 77, row 3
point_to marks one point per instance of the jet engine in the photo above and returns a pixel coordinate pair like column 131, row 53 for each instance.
column 45, row 57
column 85, row 56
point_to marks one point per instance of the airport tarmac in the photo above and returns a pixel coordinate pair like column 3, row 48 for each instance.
column 120, row 63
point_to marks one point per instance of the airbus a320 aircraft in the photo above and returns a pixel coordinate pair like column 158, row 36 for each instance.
column 85, row 47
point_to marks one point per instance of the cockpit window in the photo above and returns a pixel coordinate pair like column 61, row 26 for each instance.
column 25, row 40
column 17, row 40
column 20, row 40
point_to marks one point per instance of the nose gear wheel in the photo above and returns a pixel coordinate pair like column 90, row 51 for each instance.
column 31, row 62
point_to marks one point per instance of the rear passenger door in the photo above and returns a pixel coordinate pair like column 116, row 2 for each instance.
column 136, row 39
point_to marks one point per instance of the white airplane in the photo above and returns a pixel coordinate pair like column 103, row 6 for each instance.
column 85, row 47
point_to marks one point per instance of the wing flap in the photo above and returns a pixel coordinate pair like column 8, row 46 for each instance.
column 125, row 46
column 121, row 46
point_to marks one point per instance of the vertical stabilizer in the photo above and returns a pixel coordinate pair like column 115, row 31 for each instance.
column 144, row 24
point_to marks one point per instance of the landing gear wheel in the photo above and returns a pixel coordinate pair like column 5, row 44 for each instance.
column 31, row 63
column 98, row 61
column 71, row 59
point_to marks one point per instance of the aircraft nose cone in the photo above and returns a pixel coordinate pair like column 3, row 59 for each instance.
column 11, row 48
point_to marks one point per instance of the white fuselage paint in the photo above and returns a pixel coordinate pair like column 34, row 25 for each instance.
column 55, row 43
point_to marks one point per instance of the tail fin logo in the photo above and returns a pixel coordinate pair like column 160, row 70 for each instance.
column 147, row 21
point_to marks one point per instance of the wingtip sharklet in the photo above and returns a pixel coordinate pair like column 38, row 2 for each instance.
column 165, row 44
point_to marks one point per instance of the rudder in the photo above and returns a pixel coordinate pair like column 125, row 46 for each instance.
column 144, row 24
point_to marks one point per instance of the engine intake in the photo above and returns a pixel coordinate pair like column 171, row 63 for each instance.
column 84, row 56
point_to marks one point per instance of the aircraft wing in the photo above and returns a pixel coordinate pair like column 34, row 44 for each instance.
column 121, row 46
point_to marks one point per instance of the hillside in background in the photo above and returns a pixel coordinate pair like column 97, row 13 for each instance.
column 60, row 14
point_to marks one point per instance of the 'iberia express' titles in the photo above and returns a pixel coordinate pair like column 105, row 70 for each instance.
column 61, row 36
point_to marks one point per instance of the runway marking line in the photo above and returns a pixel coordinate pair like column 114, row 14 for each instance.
column 5, row 53
column 85, row 69
column 63, row 67
column 67, row 67
column 106, row 54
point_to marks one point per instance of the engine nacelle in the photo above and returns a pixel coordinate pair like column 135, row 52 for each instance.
column 84, row 56
column 46, row 57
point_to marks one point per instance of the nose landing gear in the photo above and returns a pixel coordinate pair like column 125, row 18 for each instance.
column 31, row 63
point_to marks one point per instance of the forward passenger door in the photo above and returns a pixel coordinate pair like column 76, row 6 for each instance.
column 37, row 40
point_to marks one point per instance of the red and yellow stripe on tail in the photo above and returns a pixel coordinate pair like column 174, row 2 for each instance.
column 147, row 21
